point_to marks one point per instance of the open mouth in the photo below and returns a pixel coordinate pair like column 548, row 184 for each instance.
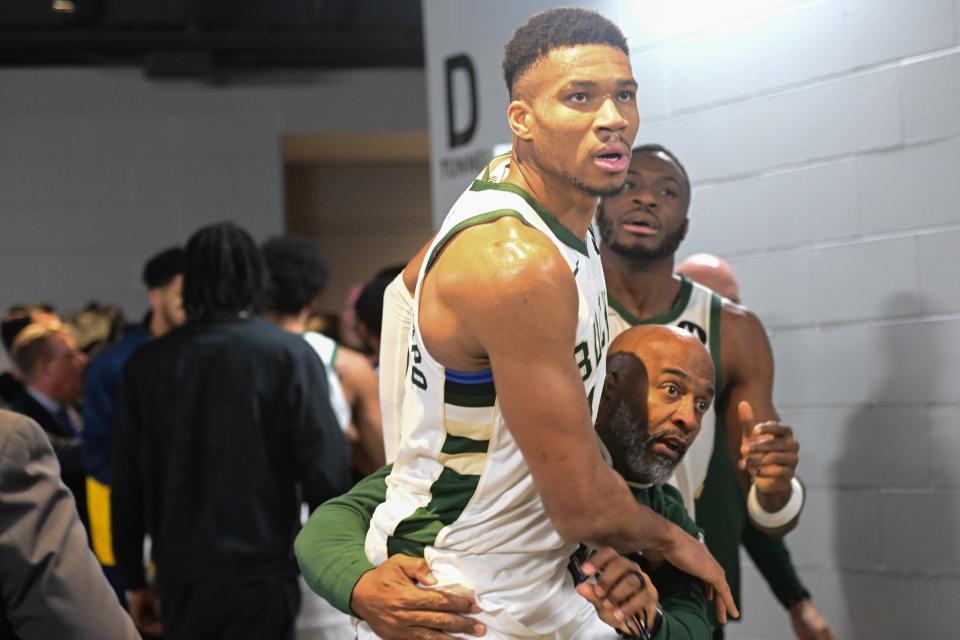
column 639, row 226
column 670, row 447
column 612, row 162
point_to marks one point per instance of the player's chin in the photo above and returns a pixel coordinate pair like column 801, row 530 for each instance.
column 605, row 188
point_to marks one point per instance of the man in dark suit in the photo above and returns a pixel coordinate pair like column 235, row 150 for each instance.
column 52, row 370
column 16, row 319
column 50, row 584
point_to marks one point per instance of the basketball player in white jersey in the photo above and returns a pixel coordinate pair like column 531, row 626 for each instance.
column 498, row 475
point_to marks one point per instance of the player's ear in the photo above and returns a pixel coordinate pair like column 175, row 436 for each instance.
column 610, row 383
column 520, row 119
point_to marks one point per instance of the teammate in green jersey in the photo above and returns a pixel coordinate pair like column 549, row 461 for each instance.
column 641, row 230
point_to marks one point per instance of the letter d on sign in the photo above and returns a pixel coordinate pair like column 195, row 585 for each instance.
column 462, row 62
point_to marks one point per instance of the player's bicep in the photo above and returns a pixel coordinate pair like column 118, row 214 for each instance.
column 530, row 341
column 746, row 349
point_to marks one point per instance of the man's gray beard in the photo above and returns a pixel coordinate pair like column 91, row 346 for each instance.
column 643, row 464
column 590, row 191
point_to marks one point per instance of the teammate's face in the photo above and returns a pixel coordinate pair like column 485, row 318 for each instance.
column 651, row 410
column 648, row 219
column 581, row 116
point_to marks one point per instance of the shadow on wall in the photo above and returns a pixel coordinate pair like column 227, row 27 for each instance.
column 890, row 526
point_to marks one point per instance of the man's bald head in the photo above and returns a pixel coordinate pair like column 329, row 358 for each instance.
column 712, row 272
column 660, row 382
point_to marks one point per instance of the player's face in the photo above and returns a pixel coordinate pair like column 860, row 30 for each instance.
column 583, row 116
column 648, row 219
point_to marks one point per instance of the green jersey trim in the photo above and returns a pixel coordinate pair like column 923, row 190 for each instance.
column 481, row 218
column 716, row 308
column 451, row 492
column 686, row 288
column 563, row 234
column 469, row 395
column 456, row 445
column 486, row 171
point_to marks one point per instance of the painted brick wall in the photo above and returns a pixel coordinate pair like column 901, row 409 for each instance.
column 101, row 167
column 823, row 139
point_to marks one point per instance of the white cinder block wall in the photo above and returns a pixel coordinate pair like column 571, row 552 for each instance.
column 823, row 139
column 99, row 168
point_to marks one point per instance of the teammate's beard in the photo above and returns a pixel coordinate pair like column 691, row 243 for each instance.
column 667, row 247
column 643, row 464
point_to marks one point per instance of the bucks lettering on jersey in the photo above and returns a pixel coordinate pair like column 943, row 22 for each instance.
column 461, row 494
column 696, row 310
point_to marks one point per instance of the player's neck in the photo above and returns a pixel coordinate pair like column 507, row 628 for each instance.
column 646, row 288
column 571, row 206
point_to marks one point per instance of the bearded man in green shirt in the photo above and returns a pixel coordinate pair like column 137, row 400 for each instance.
column 660, row 382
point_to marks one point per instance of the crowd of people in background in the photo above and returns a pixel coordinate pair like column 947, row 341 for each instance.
column 192, row 444
column 104, row 392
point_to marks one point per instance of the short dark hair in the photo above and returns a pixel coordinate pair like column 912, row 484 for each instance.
column 162, row 268
column 223, row 273
column 552, row 29
column 369, row 304
column 654, row 148
column 297, row 274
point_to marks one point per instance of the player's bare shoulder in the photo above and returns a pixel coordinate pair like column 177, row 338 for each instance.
column 492, row 287
column 743, row 341
column 485, row 268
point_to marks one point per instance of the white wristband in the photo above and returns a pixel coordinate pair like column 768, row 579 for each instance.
column 776, row 519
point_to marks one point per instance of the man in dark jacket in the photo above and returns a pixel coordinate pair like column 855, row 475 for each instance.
column 163, row 278
column 52, row 369
column 217, row 423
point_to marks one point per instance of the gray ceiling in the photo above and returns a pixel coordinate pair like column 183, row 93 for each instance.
column 202, row 37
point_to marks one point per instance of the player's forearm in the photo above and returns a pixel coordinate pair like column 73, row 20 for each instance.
column 610, row 516
column 772, row 559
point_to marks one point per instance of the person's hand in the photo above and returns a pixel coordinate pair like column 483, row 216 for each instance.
column 768, row 453
column 692, row 556
column 388, row 599
column 808, row 623
column 145, row 611
column 622, row 590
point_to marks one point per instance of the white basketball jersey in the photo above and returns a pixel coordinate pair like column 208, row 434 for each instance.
column 326, row 348
column 461, row 494
column 698, row 311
